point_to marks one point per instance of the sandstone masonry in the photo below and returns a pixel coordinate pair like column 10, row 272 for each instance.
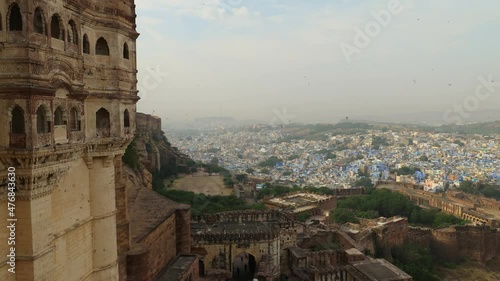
column 67, row 97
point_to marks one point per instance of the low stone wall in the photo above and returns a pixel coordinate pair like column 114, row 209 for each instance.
column 154, row 252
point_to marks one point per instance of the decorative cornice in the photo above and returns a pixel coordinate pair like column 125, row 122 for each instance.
column 39, row 171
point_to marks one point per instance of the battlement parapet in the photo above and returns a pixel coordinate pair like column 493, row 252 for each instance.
column 244, row 216
column 217, row 238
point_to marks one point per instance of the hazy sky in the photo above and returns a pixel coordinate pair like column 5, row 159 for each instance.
column 253, row 59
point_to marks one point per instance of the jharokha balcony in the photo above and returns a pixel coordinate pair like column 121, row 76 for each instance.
column 103, row 133
column 17, row 140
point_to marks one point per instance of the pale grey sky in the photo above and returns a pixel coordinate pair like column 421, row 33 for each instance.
column 250, row 58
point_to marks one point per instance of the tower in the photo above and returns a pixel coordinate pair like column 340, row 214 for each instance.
column 67, row 113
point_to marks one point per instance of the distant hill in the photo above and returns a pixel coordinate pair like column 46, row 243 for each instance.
column 478, row 128
column 213, row 122
column 356, row 121
column 433, row 117
column 319, row 131
column 344, row 126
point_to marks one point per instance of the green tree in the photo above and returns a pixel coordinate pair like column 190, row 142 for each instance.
column 330, row 155
column 415, row 260
column 405, row 170
column 492, row 192
column 228, row 181
column 130, row 158
column 242, row 177
column 446, row 220
column 304, row 216
column 342, row 216
column 270, row 162
column 364, row 182
column 386, row 203
column 466, row 185
column 275, row 190
column 157, row 182
column 461, row 144
column 265, row 171
column 214, row 161
column 378, row 141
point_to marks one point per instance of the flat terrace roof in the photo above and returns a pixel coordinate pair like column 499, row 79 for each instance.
column 174, row 271
column 299, row 199
column 298, row 252
column 229, row 227
column 380, row 270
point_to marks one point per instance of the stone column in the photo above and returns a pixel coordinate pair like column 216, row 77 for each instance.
column 183, row 230
column 122, row 223
column 103, row 211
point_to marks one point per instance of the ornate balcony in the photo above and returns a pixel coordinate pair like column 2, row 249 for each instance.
column 18, row 140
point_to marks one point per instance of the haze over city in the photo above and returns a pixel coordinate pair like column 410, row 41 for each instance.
column 249, row 140
column 249, row 59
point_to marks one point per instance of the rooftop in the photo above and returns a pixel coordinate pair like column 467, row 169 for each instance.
column 176, row 269
column 353, row 252
column 146, row 208
column 299, row 199
column 229, row 227
column 298, row 252
column 380, row 270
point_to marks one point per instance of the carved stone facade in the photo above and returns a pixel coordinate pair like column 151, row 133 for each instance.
column 333, row 255
column 68, row 101
column 243, row 244
column 271, row 245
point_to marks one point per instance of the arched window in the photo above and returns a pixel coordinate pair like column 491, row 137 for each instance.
column 42, row 121
column 17, row 121
column 74, row 120
column 102, row 125
column 56, row 29
column 126, row 119
column 39, row 21
column 86, row 44
column 15, row 19
column 1, row 22
column 125, row 51
column 72, row 33
column 58, row 116
column 101, row 47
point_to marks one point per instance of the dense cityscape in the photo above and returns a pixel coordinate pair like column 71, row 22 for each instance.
column 233, row 140
column 335, row 161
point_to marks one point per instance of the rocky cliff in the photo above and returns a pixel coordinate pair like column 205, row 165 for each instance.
column 159, row 227
column 150, row 156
